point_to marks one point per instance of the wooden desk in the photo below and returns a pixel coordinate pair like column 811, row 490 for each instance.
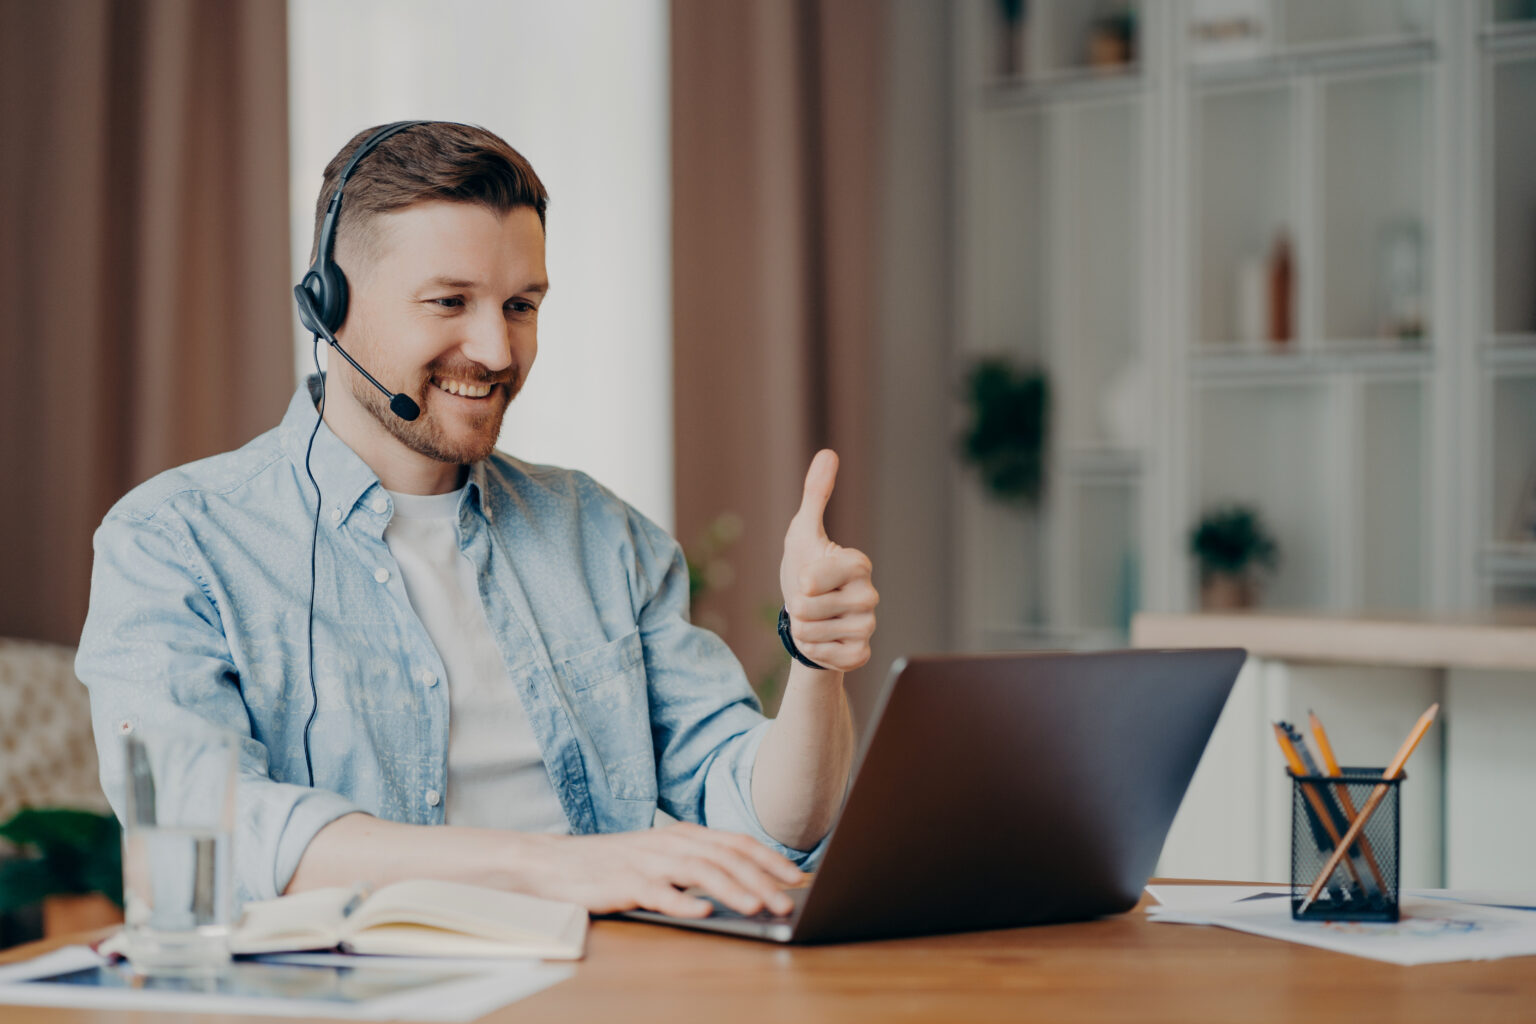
column 1118, row 969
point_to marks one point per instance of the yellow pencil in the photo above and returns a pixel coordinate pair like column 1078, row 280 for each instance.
column 1325, row 750
column 1377, row 795
column 1300, row 770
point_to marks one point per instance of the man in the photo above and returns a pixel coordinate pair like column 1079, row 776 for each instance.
column 482, row 670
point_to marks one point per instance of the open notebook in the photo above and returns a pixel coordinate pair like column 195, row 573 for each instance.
column 415, row 918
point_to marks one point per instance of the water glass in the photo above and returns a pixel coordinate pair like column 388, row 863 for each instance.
column 178, row 820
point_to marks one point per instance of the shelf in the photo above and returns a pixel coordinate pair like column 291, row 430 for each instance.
column 1484, row 640
column 1217, row 361
column 1319, row 59
column 1509, row 561
column 1120, row 225
column 1372, row 268
column 1508, row 37
column 1064, row 87
column 1102, row 463
column 1515, row 352
column 1057, row 41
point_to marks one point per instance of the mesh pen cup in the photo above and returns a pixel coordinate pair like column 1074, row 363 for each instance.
column 1364, row 884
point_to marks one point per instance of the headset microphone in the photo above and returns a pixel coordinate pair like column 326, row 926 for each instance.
column 399, row 404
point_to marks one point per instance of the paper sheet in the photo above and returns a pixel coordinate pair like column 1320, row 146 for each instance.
column 353, row 989
column 1437, row 925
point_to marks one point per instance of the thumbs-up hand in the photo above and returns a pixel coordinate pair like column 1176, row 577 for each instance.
column 827, row 587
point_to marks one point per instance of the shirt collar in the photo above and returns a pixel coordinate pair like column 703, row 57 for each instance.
column 475, row 491
column 344, row 478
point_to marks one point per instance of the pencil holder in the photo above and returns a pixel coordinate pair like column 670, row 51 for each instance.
column 1363, row 885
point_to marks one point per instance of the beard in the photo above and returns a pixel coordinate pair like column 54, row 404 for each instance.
column 426, row 434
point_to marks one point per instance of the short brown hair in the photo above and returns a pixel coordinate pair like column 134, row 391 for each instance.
column 435, row 160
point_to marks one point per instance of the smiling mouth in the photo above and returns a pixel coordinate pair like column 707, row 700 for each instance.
column 463, row 389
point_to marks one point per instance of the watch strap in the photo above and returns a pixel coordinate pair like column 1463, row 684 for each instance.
column 789, row 642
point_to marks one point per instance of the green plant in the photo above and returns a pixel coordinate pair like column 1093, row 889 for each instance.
column 62, row 852
column 1232, row 539
column 1006, row 437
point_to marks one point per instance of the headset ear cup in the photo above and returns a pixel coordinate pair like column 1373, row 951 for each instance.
column 327, row 287
column 334, row 306
column 313, row 289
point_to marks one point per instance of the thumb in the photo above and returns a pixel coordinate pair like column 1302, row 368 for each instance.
column 819, row 480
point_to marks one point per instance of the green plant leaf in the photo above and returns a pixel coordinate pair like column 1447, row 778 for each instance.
column 50, row 827
column 1006, row 438
column 71, row 851
column 1231, row 539
column 28, row 881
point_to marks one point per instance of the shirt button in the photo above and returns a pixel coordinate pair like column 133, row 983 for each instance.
column 428, row 677
column 382, row 575
column 380, row 504
column 433, row 798
column 335, row 515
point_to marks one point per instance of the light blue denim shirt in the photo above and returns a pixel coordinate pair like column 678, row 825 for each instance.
column 198, row 618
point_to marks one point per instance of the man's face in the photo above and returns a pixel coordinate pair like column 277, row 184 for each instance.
column 446, row 311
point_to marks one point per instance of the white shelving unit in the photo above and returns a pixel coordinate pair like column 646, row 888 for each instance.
column 1115, row 225
column 1506, row 305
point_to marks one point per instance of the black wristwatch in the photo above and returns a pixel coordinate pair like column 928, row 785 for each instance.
column 789, row 642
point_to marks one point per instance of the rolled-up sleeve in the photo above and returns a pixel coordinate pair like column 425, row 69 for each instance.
column 706, row 722
column 154, row 655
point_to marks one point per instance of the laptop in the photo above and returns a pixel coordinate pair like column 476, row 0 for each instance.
column 998, row 790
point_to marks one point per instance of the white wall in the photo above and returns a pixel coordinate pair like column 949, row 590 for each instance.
column 582, row 91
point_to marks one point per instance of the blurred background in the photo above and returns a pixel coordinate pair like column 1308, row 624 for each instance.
column 1108, row 306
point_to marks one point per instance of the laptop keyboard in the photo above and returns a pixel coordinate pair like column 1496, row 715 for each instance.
column 722, row 911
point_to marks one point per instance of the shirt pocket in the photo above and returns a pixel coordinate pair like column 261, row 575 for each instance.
column 608, row 692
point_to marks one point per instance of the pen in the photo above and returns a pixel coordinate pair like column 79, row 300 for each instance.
column 1319, row 814
column 1335, row 813
column 1393, row 771
column 360, row 893
column 1325, row 750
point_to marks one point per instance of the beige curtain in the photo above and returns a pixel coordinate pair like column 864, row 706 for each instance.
column 776, row 117
column 144, row 314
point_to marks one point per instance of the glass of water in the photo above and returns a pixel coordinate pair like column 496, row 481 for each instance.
column 179, row 817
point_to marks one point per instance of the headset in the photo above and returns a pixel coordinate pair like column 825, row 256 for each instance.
column 322, row 295
column 322, row 301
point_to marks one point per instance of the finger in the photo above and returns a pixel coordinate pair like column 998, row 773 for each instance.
column 664, row 899
column 766, row 889
column 739, row 894
column 858, row 627
column 849, row 599
column 828, row 573
column 771, row 862
column 841, row 655
column 819, row 480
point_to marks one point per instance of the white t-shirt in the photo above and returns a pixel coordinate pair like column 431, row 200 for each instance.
column 496, row 774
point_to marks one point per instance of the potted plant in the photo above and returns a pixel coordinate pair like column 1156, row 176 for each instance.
column 70, row 861
column 1231, row 545
column 1006, row 437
